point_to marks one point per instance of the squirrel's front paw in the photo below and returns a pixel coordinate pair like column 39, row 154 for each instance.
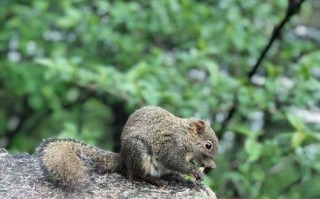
column 198, row 175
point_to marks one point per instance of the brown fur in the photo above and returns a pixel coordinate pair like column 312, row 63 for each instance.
column 169, row 142
column 68, row 162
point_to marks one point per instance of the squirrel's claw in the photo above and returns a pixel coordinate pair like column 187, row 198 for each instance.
column 198, row 175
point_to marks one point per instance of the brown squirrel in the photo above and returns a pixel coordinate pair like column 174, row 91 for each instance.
column 154, row 142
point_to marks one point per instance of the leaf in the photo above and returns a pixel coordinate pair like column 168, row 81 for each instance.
column 213, row 70
column 296, row 122
column 36, row 101
column 297, row 139
column 241, row 129
column 253, row 149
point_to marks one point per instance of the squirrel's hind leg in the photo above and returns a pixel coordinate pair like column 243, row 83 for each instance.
column 137, row 160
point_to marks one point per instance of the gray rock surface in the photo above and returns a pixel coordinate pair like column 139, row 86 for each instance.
column 21, row 177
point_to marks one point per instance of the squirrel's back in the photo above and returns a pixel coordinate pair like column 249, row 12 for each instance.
column 148, row 119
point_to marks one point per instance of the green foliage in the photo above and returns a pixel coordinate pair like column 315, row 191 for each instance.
column 68, row 67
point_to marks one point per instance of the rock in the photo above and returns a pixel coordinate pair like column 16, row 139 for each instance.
column 21, row 177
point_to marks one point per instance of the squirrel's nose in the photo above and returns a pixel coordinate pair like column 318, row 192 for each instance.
column 209, row 164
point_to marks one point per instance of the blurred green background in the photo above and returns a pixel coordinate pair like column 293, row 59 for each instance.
column 75, row 68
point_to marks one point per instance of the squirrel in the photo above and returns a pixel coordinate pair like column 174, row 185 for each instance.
column 154, row 143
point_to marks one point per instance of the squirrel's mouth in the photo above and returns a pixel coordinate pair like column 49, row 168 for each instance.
column 207, row 163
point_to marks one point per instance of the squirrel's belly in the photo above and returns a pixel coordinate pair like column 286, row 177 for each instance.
column 152, row 167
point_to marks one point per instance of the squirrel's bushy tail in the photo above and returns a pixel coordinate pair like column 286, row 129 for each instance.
column 68, row 162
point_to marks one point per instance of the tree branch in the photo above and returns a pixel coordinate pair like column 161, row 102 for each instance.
column 292, row 9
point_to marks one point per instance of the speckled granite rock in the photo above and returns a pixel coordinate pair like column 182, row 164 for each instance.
column 21, row 177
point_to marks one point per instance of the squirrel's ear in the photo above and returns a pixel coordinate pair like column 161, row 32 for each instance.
column 199, row 126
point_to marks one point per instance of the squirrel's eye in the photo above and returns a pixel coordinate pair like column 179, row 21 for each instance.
column 208, row 145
